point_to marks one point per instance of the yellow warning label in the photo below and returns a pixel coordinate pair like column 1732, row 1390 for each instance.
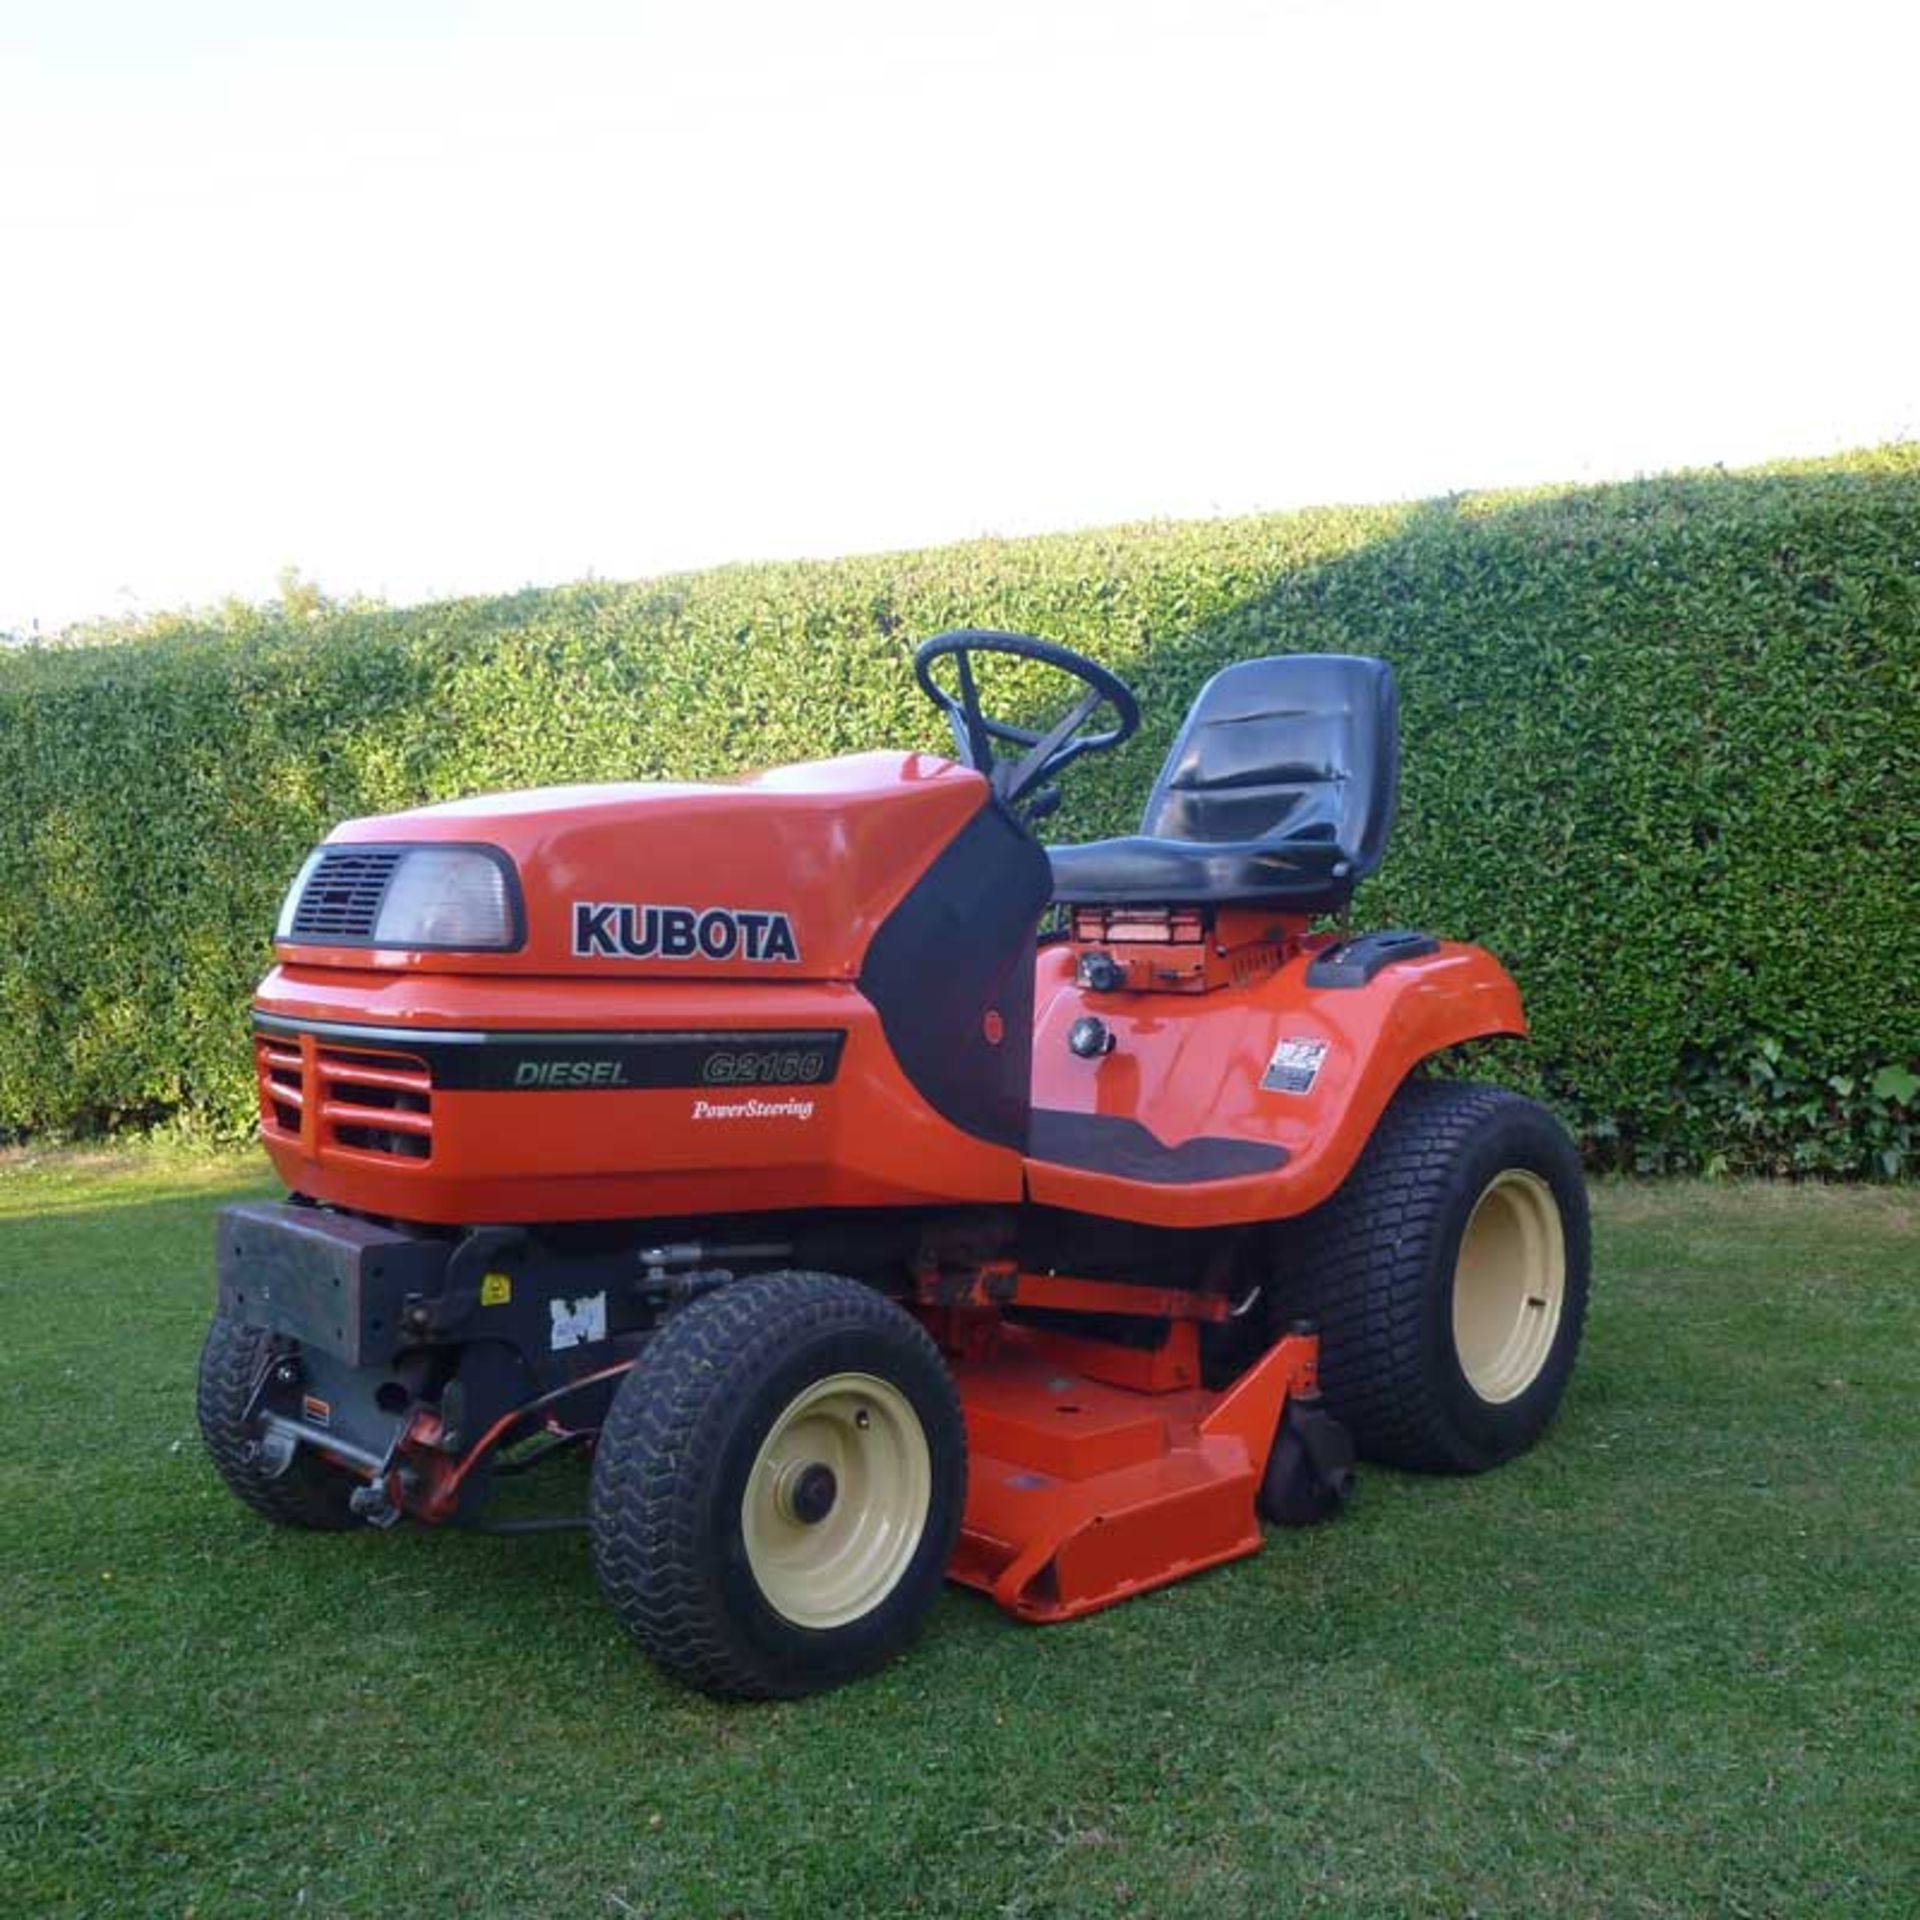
column 496, row 1289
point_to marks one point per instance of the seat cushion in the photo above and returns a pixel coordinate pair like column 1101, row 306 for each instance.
column 1279, row 789
column 1307, row 876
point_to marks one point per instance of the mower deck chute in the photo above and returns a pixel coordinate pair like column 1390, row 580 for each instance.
column 753, row 1137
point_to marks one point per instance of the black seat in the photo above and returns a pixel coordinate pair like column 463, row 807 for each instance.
column 1278, row 792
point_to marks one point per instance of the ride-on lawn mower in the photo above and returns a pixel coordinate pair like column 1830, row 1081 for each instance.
column 754, row 1135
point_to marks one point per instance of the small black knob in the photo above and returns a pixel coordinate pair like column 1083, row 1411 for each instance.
column 1090, row 1037
column 1101, row 973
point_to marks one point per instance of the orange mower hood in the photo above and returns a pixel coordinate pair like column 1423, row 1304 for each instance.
column 781, row 875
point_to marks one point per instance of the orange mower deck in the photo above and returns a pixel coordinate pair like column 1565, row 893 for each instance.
column 1082, row 1493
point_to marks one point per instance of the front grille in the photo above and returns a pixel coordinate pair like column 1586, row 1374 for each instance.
column 367, row 1102
column 282, row 1094
column 341, row 900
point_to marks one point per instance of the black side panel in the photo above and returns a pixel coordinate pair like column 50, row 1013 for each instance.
column 958, row 948
column 1109, row 1143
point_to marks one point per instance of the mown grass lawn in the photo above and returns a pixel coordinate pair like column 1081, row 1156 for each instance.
column 1670, row 1664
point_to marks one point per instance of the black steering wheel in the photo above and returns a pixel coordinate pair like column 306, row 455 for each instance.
column 1043, row 753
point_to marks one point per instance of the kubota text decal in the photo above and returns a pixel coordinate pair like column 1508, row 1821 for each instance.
column 613, row 930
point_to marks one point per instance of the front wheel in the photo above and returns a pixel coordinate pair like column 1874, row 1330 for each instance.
column 778, row 1487
column 1449, row 1279
column 308, row 1492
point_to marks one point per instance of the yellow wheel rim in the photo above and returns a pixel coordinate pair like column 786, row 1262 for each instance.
column 1509, row 1285
column 837, row 1500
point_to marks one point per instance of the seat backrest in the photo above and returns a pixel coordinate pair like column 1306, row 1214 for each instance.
column 1302, row 747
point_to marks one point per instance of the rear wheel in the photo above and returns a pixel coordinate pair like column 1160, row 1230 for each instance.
column 1449, row 1279
column 309, row 1493
column 777, row 1490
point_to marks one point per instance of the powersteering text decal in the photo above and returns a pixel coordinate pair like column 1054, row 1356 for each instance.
column 612, row 930
column 753, row 1110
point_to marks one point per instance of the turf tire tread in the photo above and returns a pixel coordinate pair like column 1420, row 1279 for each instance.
column 650, row 1514
column 310, row 1494
column 1358, row 1265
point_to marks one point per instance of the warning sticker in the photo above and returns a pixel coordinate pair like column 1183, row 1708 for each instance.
column 496, row 1289
column 1295, row 1066
column 578, row 1323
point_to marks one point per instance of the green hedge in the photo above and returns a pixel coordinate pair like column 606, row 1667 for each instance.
column 1661, row 744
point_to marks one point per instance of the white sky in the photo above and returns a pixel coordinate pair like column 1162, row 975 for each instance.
column 429, row 298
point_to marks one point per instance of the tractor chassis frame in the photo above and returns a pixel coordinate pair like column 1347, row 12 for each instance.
column 1098, row 1467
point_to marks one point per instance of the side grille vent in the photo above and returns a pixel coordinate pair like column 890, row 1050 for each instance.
column 341, row 900
column 373, row 1103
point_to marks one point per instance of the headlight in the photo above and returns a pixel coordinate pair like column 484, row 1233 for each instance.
column 446, row 897
column 416, row 897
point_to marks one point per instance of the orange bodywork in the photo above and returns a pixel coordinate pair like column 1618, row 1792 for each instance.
column 1098, row 1468
column 833, row 843
column 1184, row 1067
column 1187, row 1066
column 836, row 846
column 867, row 1139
